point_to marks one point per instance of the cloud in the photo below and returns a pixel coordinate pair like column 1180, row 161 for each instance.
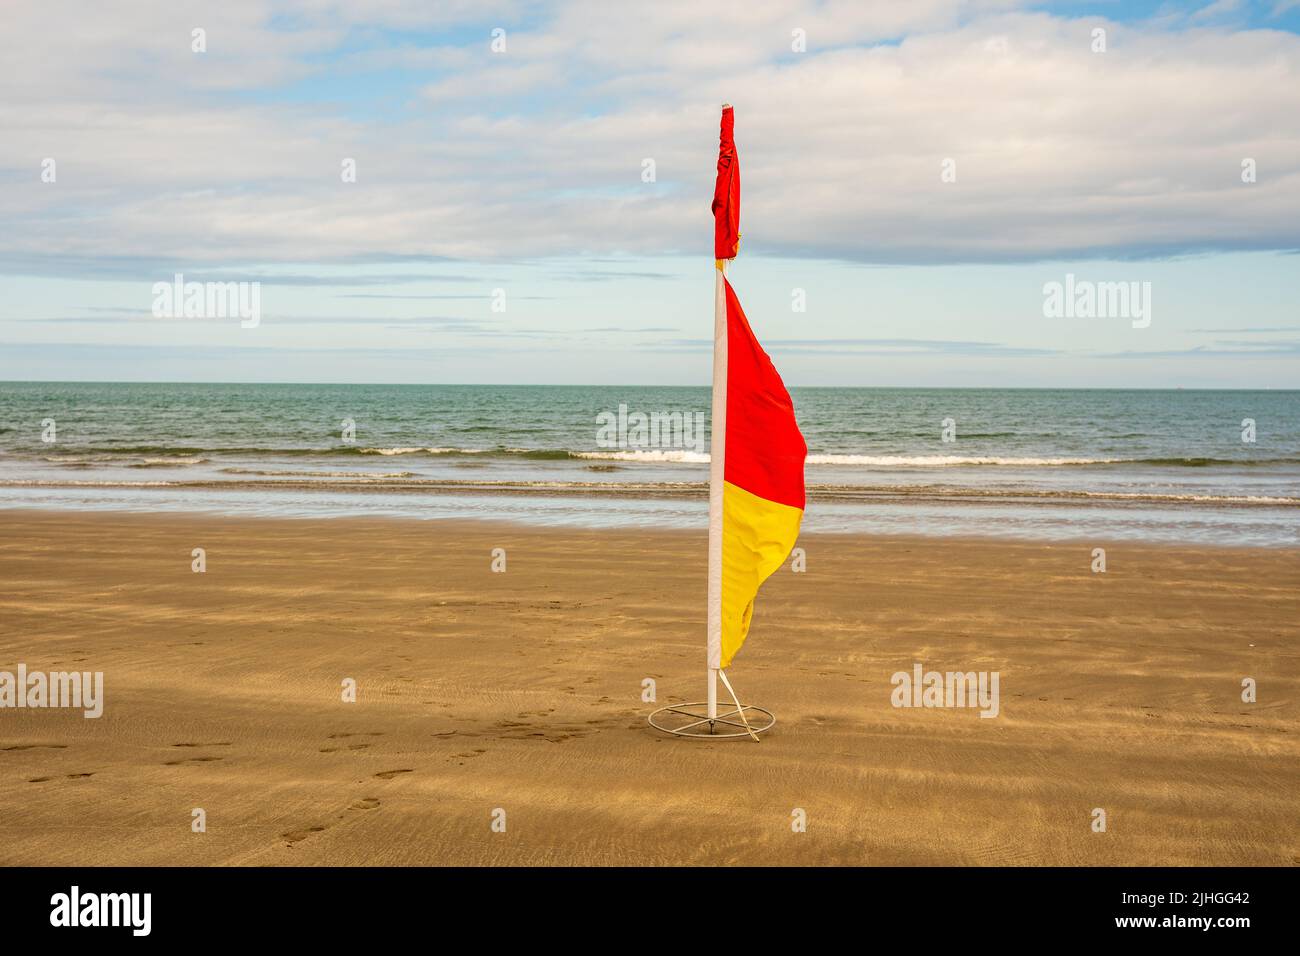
column 1256, row 331
column 1219, row 8
column 385, row 295
column 884, row 347
column 219, row 158
column 119, row 316
column 155, row 268
column 1237, row 349
column 594, row 275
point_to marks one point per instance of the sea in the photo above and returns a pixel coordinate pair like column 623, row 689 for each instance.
column 1170, row 466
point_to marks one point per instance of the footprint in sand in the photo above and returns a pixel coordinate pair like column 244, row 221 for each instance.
column 460, row 758
column 557, row 733
column 204, row 759
column 390, row 774
column 297, row 836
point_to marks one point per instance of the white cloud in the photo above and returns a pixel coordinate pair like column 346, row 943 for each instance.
column 1059, row 151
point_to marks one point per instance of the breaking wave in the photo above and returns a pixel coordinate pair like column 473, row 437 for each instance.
column 158, row 456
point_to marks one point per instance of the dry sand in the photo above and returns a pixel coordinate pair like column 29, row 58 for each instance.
column 522, row 690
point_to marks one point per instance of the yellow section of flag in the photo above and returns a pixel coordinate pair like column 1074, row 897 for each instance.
column 757, row 535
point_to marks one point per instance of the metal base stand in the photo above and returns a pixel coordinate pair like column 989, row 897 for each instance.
column 692, row 720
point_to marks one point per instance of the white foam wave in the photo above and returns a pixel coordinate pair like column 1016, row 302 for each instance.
column 257, row 472
column 944, row 461
column 877, row 461
column 658, row 455
column 422, row 451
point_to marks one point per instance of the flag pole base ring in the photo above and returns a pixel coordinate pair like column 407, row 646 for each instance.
column 692, row 720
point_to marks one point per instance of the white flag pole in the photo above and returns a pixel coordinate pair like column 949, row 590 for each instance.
column 717, row 457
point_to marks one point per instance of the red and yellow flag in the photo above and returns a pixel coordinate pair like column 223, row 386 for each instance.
column 763, row 451
column 762, row 491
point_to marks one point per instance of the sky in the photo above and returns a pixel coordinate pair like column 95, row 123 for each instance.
column 532, row 185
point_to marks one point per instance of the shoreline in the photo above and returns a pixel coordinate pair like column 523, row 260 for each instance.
column 678, row 489
column 991, row 517
column 482, row 524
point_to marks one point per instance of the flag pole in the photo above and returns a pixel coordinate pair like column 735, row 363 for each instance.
column 717, row 460
column 717, row 457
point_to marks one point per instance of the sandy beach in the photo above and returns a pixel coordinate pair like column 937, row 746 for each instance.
column 522, row 691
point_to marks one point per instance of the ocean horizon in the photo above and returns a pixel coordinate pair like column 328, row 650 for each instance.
column 1174, row 465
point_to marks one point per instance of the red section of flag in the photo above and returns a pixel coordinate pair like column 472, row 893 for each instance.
column 765, row 451
column 726, row 192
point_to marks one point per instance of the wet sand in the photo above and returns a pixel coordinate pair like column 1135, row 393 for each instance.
column 522, row 691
